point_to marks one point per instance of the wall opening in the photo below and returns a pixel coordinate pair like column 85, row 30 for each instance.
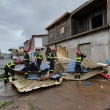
column 97, row 21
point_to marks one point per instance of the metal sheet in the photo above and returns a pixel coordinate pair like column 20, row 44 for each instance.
column 89, row 63
column 24, row 85
column 84, row 76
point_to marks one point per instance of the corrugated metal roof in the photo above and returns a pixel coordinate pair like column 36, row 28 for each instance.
column 84, row 76
column 24, row 85
column 89, row 63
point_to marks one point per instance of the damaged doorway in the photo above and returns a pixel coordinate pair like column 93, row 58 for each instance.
column 85, row 48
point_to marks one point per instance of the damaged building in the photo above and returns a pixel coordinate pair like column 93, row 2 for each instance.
column 86, row 28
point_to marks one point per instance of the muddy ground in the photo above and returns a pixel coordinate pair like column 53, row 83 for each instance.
column 69, row 95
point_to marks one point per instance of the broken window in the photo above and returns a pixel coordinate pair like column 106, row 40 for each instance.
column 61, row 29
column 97, row 21
column 50, row 35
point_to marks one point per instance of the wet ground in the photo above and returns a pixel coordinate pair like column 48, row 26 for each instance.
column 91, row 94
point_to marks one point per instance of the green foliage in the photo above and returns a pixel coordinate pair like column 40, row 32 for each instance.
column 3, row 104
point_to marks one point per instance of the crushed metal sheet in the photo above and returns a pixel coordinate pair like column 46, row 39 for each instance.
column 64, row 63
column 58, row 68
column 24, row 85
column 89, row 63
column 84, row 76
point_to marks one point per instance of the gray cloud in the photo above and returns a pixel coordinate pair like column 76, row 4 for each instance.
column 19, row 19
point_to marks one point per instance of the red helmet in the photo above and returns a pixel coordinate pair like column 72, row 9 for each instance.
column 37, row 49
column 78, row 52
column 25, row 51
column 53, row 49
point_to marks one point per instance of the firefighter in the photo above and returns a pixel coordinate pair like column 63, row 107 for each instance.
column 78, row 65
column 51, row 56
column 26, row 61
column 39, row 58
column 79, row 59
column 9, row 68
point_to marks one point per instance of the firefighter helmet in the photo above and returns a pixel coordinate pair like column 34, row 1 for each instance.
column 25, row 51
column 37, row 49
column 78, row 52
column 53, row 49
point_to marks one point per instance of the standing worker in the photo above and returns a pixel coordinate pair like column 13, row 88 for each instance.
column 39, row 58
column 79, row 59
column 52, row 55
column 26, row 60
column 9, row 68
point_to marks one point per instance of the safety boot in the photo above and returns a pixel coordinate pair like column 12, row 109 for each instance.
column 26, row 75
column 79, row 75
column 75, row 76
column 13, row 79
column 5, row 80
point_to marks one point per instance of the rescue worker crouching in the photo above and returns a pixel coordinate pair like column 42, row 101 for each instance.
column 26, row 61
column 9, row 68
column 51, row 56
column 39, row 58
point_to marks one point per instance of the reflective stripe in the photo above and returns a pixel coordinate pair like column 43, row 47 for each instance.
column 50, row 55
column 79, row 74
column 39, row 71
column 51, row 70
column 11, row 64
column 78, row 59
column 26, row 73
column 5, row 78
column 39, row 55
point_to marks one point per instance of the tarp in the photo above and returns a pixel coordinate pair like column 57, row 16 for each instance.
column 71, row 67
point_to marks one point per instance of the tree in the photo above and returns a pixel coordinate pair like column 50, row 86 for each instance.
column 12, row 50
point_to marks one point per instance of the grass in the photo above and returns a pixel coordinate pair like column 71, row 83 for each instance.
column 2, row 76
column 3, row 104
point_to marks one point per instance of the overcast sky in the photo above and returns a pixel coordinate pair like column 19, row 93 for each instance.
column 20, row 19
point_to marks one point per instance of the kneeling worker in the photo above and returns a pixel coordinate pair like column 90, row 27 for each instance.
column 9, row 68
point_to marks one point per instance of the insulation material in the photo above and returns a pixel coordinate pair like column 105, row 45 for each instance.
column 64, row 63
column 89, row 63
column 58, row 68
column 24, row 85
column 84, row 76
column 61, row 52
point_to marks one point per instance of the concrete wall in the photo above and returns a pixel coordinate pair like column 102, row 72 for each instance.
column 56, row 36
column 83, row 23
column 99, row 45
column 108, row 12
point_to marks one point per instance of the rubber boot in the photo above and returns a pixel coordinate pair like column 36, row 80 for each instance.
column 75, row 76
column 26, row 75
column 5, row 80
column 13, row 79
column 79, row 75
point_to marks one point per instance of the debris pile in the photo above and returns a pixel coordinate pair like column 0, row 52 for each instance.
column 64, row 69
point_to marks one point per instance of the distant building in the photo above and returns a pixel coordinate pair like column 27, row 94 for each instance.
column 36, row 41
